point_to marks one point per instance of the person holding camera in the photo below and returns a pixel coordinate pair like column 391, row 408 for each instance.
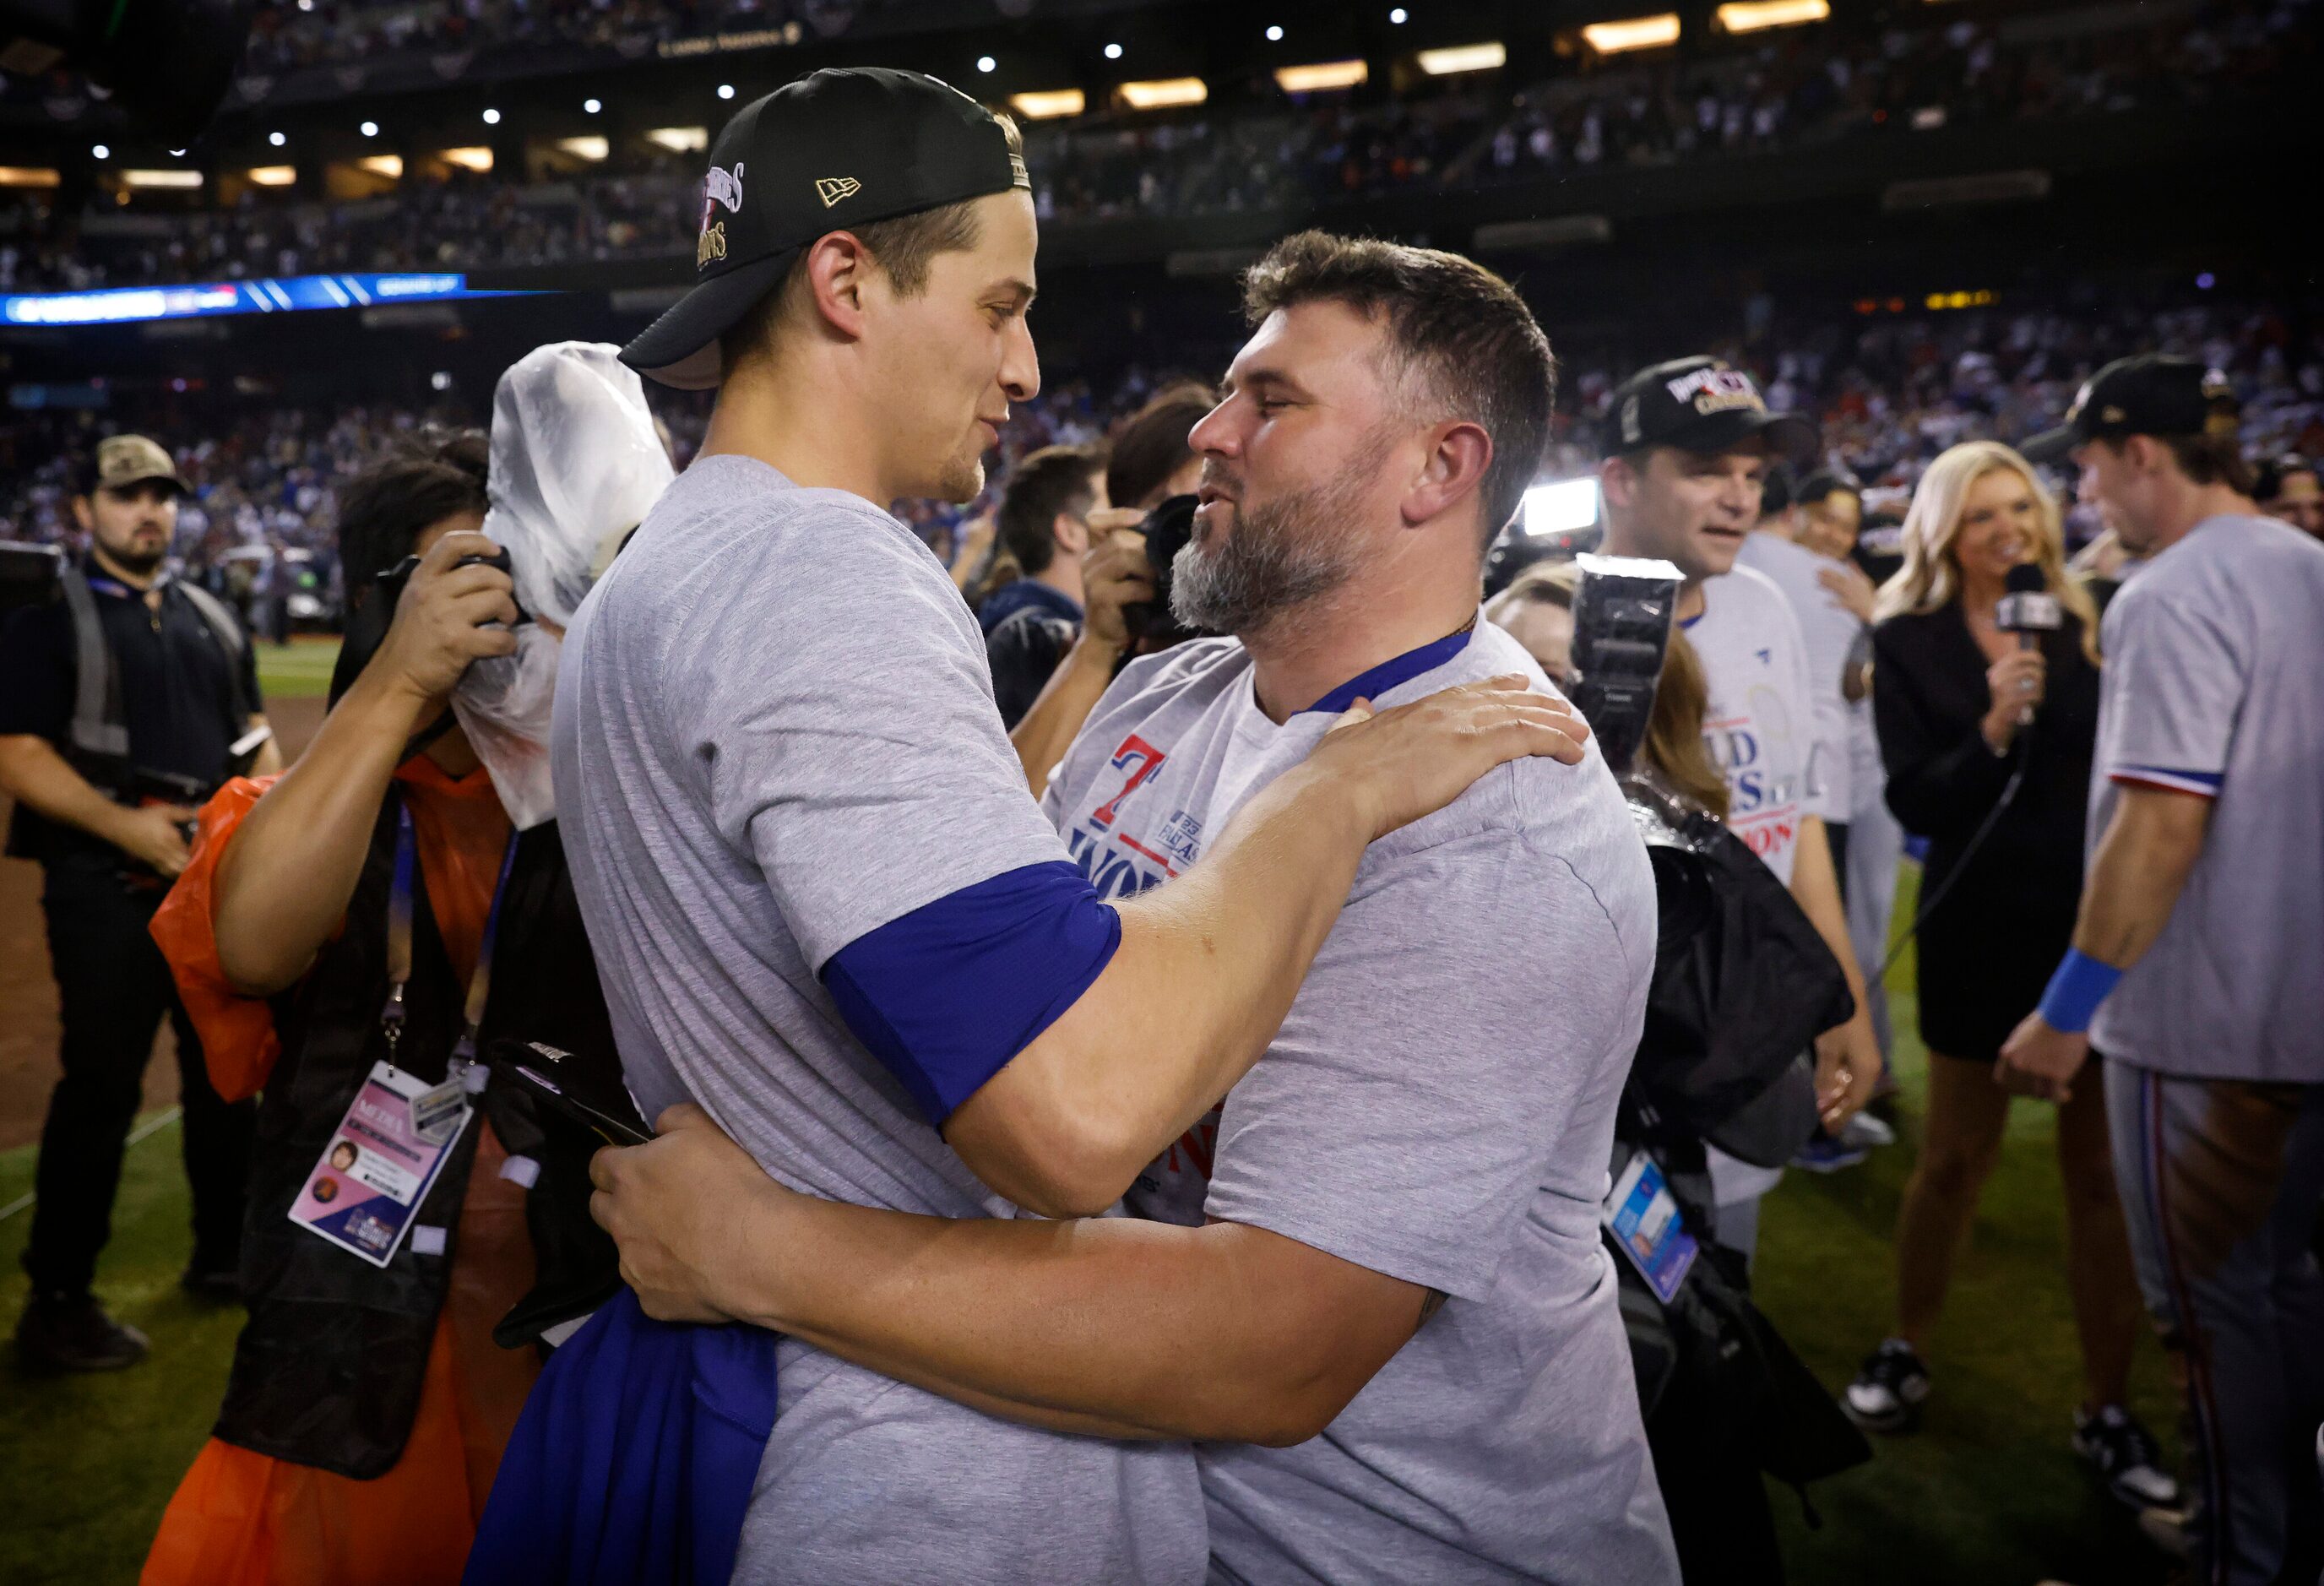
column 1971, row 714
column 373, row 910
column 127, row 697
column 1053, row 514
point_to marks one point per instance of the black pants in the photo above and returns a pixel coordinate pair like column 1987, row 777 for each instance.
column 115, row 989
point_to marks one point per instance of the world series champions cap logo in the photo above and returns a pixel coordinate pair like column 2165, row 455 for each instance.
column 719, row 187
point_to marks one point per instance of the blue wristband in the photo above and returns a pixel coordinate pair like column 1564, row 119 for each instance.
column 2075, row 992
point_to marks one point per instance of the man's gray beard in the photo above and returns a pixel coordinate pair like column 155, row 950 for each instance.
column 1279, row 558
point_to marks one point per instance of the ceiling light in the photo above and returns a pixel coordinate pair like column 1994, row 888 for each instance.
column 273, row 176
column 277, row 139
column 491, row 118
column 101, row 153
column 680, row 140
column 177, row 153
column 725, row 90
column 369, row 129
column 1048, row 104
column 1113, row 51
column 1748, row 17
column 1398, row 16
column 588, row 148
column 1636, row 32
column 1274, row 36
column 27, row 176
column 591, row 106
column 1460, row 58
column 1161, row 93
column 476, row 158
column 390, row 166
column 985, row 63
column 161, row 178
column 1321, row 78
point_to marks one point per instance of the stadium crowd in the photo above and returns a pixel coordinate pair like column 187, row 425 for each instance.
column 1790, row 94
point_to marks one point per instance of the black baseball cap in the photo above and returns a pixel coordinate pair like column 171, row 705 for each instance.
column 1701, row 405
column 2152, row 393
column 836, row 149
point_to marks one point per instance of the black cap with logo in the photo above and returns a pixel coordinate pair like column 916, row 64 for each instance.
column 836, row 149
column 1702, row 405
column 2153, row 394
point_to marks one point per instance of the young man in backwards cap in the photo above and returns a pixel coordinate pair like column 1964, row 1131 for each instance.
column 822, row 901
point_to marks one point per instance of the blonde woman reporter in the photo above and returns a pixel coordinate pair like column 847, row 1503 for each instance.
column 1963, row 711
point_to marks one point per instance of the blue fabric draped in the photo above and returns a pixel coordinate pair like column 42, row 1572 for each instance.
column 634, row 1460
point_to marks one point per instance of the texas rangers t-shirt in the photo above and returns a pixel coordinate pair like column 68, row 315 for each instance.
column 2214, row 688
column 1438, row 1106
column 781, row 777
column 1761, row 724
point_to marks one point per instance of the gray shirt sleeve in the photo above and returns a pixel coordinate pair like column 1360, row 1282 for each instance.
column 1406, row 1131
column 2175, row 681
column 844, row 725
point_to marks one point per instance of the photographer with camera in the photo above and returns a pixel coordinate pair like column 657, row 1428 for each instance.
column 347, row 937
column 128, row 694
column 1053, row 514
column 1125, row 575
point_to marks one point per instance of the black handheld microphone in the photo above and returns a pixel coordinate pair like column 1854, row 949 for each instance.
column 2029, row 610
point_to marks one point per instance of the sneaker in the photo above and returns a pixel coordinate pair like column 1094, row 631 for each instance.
column 1826, row 1154
column 2126, row 1454
column 1889, row 1389
column 73, row 1332
column 1866, row 1130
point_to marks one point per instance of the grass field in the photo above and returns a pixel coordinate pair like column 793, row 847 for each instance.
column 1989, row 1493
column 300, row 670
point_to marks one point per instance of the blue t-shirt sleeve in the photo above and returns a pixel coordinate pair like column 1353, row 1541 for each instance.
column 945, row 995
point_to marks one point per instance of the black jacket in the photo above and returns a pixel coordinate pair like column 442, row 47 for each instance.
column 329, row 1370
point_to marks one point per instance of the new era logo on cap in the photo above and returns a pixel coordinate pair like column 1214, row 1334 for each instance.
column 831, row 188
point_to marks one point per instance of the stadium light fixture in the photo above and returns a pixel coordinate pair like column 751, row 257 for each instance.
column 369, row 129
column 1461, row 58
column 1163, row 93
column 587, row 147
column 277, row 139
column 180, row 179
column 27, row 176
column 1748, row 16
column 591, row 106
column 390, row 166
column 1113, row 51
column 273, row 176
column 1560, row 508
column 1397, row 17
column 985, row 63
column 442, row 379
column 491, row 118
column 474, row 157
column 680, row 140
column 1634, row 33
column 1048, row 103
column 1274, row 36
column 1321, row 78
column 725, row 90
column 100, row 153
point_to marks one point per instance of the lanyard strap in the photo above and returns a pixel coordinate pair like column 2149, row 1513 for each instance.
column 398, row 944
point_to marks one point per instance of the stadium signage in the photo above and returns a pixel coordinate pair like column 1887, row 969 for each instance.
column 285, row 294
column 727, row 44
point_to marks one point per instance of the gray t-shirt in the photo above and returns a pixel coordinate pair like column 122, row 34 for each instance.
column 774, row 732
column 2214, row 686
column 1438, row 1106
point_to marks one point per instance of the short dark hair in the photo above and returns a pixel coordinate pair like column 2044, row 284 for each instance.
column 1462, row 330
column 438, row 472
column 904, row 246
column 2208, row 459
column 2268, row 478
column 1827, row 481
column 1151, row 443
column 1055, row 479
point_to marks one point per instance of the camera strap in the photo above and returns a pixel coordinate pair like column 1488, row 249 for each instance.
column 398, row 948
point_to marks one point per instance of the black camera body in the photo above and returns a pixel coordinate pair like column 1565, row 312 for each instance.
column 369, row 618
column 1622, row 613
column 1168, row 529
